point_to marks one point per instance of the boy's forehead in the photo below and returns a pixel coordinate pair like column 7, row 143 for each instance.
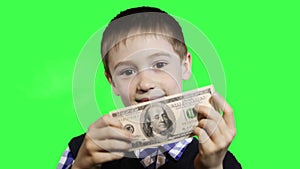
column 140, row 46
column 142, row 43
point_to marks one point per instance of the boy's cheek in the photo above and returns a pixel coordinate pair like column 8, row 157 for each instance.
column 127, row 94
column 172, row 81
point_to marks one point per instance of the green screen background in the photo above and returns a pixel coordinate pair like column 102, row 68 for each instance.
column 258, row 44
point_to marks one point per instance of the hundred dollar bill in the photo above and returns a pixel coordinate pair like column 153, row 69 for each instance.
column 165, row 120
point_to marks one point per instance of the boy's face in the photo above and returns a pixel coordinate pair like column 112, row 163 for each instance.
column 146, row 68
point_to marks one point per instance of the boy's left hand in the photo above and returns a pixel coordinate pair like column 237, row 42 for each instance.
column 215, row 133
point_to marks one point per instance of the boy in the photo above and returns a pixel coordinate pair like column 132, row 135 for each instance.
column 145, row 58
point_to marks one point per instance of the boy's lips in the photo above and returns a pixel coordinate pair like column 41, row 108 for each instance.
column 150, row 95
column 145, row 99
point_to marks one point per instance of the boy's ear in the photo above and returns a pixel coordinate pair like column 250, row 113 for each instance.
column 186, row 67
column 112, row 84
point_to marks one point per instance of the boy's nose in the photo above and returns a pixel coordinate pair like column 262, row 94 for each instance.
column 145, row 81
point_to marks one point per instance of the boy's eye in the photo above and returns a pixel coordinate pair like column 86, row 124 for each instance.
column 128, row 72
column 160, row 65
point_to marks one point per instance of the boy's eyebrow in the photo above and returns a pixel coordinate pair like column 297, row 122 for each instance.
column 122, row 63
column 150, row 56
column 159, row 54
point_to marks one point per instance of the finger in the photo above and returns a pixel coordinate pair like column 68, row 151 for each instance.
column 202, row 136
column 218, row 132
column 226, row 109
column 210, row 113
column 212, row 130
column 110, row 133
column 107, row 120
column 207, row 112
column 112, row 145
column 102, row 157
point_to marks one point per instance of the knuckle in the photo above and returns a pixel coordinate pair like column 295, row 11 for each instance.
column 90, row 145
column 105, row 119
column 93, row 145
column 223, row 145
column 94, row 159
column 92, row 126
column 196, row 131
column 229, row 109
column 233, row 133
column 202, row 123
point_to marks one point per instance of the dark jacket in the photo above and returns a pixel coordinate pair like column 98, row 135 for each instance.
column 185, row 162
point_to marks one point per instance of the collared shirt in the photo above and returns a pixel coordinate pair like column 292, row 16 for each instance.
column 153, row 156
column 66, row 160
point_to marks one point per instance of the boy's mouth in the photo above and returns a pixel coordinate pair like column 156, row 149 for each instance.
column 150, row 95
column 146, row 99
column 142, row 100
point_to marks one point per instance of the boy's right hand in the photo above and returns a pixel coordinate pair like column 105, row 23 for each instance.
column 104, row 142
